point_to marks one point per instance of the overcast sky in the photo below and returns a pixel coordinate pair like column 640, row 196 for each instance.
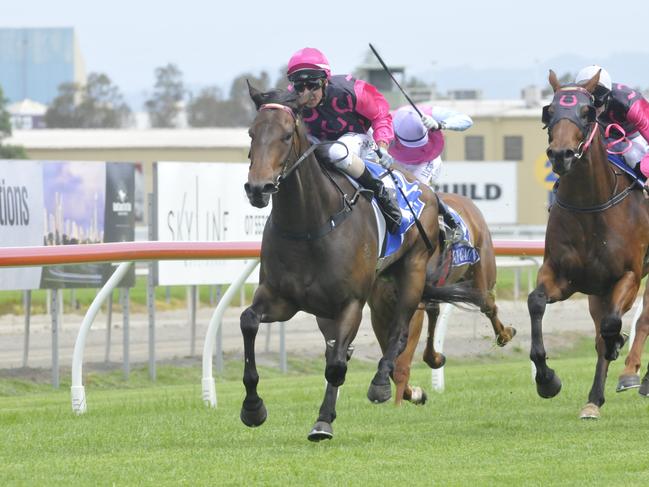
column 213, row 41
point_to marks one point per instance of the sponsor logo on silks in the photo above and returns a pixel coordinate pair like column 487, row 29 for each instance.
column 412, row 192
column 122, row 205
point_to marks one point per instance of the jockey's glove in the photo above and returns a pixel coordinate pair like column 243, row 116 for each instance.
column 429, row 122
column 385, row 159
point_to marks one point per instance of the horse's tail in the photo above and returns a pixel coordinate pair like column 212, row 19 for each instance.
column 461, row 292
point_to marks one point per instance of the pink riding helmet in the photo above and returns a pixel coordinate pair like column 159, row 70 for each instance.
column 310, row 59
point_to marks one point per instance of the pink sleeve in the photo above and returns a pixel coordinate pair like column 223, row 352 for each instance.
column 644, row 165
column 373, row 106
column 638, row 115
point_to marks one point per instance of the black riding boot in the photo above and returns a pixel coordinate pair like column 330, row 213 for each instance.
column 385, row 198
column 454, row 233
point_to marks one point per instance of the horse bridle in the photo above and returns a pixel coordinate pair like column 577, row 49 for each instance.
column 570, row 101
column 286, row 171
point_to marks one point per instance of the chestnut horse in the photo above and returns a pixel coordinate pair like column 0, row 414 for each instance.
column 596, row 242
column 481, row 275
column 319, row 254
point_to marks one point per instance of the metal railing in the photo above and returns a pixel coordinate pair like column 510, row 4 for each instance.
column 128, row 252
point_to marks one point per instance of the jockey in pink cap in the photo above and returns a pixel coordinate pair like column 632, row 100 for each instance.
column 418, row 145
column 341, row 108
column 627, row 111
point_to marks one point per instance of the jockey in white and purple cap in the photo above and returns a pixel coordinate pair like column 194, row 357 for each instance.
column 418, row 145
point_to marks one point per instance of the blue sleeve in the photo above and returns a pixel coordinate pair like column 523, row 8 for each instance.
column 451, row 119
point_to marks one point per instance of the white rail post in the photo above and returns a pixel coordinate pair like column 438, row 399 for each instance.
column 636, row 317
column 77, row 390
column 283, row 360
column 208, row 384
column 437, row 375
column 126, row 331
column 109, row 326
column 27, row 305
column 57, row 313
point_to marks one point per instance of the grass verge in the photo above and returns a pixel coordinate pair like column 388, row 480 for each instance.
column 488, row 428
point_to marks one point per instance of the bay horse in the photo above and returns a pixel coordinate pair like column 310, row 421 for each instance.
column 481, row 275
column 596, row 242
column 319, row 253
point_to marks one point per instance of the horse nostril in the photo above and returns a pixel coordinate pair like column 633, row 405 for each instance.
column 269, row 188
column 550, row 154
column 570, row 154
column 247, row 188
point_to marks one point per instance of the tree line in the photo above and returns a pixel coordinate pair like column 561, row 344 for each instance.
column 8, row 151
column 100, row 104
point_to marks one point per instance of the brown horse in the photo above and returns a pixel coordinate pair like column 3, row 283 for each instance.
column 319, row 254
column 481, row 275
column 596, row 241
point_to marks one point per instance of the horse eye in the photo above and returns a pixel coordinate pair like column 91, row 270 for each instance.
column 287, row 137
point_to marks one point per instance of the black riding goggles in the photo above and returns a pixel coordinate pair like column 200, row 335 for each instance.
column 300, row 86
column 600, row 94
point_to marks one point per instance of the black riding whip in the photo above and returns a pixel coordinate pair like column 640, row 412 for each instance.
column 387, row 70
column 420, row 227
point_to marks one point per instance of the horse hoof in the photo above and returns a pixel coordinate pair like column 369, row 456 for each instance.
column 549, row 388
column 627, row 382
column 379, row 393
column 321, row 431
column 254, row 416
column 418, row 396
column 589, row 411
column 436, row 364
column 502, row 341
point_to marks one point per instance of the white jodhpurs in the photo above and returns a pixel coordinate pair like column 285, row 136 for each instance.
column 426, row 172
column 349, row 152
column 639, row 148
column 631, row 149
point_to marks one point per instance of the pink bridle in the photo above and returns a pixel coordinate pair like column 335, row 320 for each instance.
column 277, row 106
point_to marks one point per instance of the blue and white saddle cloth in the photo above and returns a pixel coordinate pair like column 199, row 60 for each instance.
column 390, row 242
column 463, row 252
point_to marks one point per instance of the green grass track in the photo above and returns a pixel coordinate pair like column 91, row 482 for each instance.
column 488, row 428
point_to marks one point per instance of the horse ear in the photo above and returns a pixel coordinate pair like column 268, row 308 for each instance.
column 554, row 82
column 255, row 94
column 591, row 84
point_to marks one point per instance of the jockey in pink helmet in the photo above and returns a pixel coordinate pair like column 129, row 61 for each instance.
column 627, row 111
column 341, row 108
column 418, row 145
